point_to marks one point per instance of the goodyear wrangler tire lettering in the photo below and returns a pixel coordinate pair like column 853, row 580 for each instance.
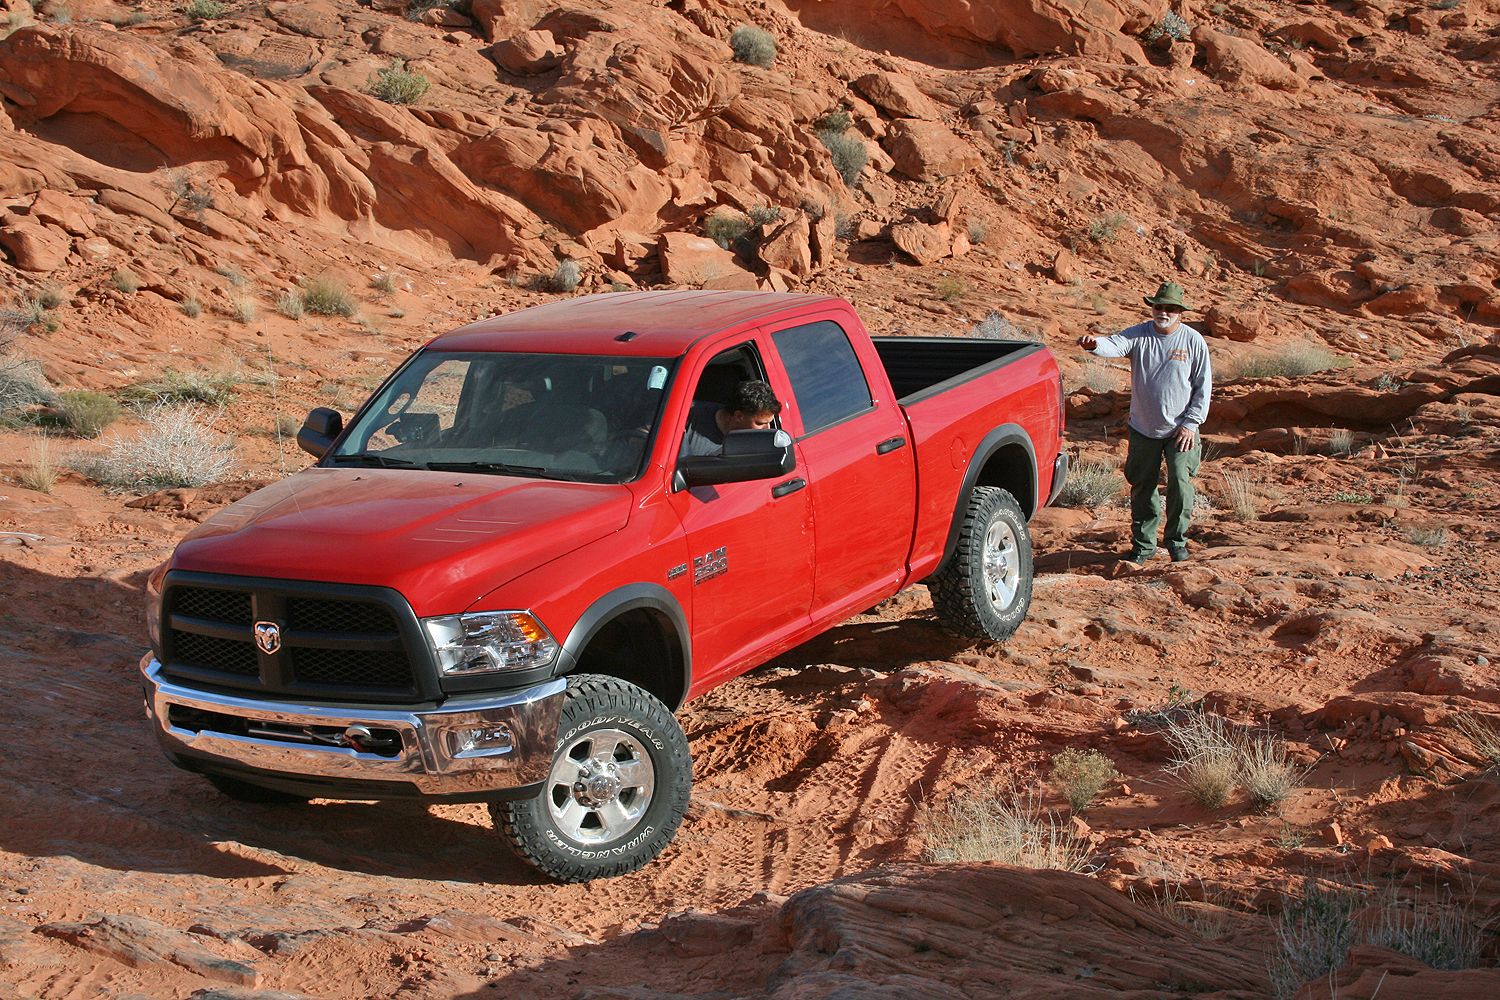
column 617, row 790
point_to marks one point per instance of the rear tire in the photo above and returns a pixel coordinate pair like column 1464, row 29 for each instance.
column 617, row 790
column 985, row 590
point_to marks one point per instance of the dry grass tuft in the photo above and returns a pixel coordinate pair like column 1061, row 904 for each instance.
column 1267, row 772
column 1341, row 442
column 1080, row 775
column 1483, row 734
column 1291, row 361
column 1204, row 756
column 1091, row 483
column 1239, row 495
column 41, row 474
column 1006, row 828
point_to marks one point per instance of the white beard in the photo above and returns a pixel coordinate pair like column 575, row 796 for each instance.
column 1166, row 327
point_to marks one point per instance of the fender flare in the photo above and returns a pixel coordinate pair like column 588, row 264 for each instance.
column 1000, row 437
column 631, row 597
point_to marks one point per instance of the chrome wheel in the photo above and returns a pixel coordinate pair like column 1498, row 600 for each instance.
column 600, row 786
column 1002, row 565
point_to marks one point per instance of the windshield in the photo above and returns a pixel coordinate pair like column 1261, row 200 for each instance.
column 553, row 416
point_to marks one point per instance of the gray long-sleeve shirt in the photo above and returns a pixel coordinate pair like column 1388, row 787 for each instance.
column 1170, row 377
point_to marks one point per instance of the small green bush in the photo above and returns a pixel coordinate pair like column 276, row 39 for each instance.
column 1106, row 227
column 753, row 45
column 397, row 85
column 327, row 297
column 837, row 122
column 191, row 307
column 726, row 228
column 126, row 281
column 178, row 388
column 977, row 231
column 1170, row 26
column 849, row 154
column 1080, row 775
column 764, row 215
column 204, row 10
column 950, row 288
column 87, row 413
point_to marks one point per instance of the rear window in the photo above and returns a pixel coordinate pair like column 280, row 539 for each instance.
column 825, row 373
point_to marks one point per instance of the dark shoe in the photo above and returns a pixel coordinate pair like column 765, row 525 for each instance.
column 1138, row 557
column 1180, row 553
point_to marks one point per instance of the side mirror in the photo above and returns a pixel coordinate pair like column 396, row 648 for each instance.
column 319, row 430
column 747, row 455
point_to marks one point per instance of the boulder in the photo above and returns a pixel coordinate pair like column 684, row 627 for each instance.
column 896, row 95
column 824, row 243
column 923, row 243
column 1241, row 62
column 527, row 54
column 1242, row 322
column 789, row 247
column 927, row 151
column 691, row 260
column 34, row 246
column 57, row 209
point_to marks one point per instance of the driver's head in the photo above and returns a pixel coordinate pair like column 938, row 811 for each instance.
column 754, row 407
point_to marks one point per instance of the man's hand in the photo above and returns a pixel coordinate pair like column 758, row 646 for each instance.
column 1185, row 438
column 1088, row 343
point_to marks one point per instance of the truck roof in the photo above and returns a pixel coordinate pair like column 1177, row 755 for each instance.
column 665, row 323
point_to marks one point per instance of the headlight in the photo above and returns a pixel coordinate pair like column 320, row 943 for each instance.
column 487, row 642
column 153, row 606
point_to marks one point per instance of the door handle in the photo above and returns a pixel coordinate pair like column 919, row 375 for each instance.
column 889, row 445
column 790, row 486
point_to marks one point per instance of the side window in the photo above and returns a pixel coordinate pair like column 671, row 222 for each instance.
column 825, row 373
column 716, row 390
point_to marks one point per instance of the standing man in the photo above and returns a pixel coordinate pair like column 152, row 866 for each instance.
column 1170, row 381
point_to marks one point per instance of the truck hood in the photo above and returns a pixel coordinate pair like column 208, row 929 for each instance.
column 442, row 539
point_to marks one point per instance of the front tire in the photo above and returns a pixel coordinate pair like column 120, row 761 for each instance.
column 617, row 790
column 985, row 590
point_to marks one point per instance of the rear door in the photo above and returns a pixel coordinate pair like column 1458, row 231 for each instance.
column 858, row 461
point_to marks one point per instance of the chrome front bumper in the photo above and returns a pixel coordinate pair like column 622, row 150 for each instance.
column 287, row 743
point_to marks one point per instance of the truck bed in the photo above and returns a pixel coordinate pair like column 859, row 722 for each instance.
column 922, row 366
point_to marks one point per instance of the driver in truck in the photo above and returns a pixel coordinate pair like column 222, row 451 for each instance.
column 754, row 407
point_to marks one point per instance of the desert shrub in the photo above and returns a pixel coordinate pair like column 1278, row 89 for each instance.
column 1289, row 362
column 87, row 413
column 1239, row 495
column 41, row 474
column 191, row 307
column 849, row 154
column 1313, row 934
column 1090, row 483
column 243, row 309
column 397, row 85
column 977, row 231
column 1099, row 376
column 417, row 8
column 385, row 282
column 50, row 297
column 565, row 278
column 1170, row 26
column 1080, row 775
column 837, row 122
column 996, row 827
column 126, row 281
column 327, row 297
column 189, row 195
column 1483, row 734
column 289, row 304
column 950, row 288
column 204, row 10
column 995, row 326
column 1429, row 537
column 764, row 215
column 1204, row 756
column 178, row 388
column 726, row 228
column 1341, row 442
column 22, row 384
column 1354, row 496
column 232, row 274
column 1268, row 774
column 174, row 449
column 753, row 45
column 1439, row 934
column 1106, row 227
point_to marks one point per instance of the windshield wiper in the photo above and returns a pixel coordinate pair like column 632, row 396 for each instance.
column 495, row 468
column 370, row 458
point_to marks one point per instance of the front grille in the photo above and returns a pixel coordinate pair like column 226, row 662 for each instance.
column 355, row 644
column 305, row 614
column 229, row 606
column 212, row 653
column 352, row 667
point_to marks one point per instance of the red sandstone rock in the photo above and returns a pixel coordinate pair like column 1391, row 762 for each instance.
column 927, row 151
column 527, row 54
column 896, row 95
column 1241, row 62
column 691, row 260
column 923, row 243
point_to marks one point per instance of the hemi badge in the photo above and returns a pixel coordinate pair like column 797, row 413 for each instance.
column 676, row 571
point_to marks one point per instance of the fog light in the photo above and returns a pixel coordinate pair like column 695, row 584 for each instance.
column 480, row 741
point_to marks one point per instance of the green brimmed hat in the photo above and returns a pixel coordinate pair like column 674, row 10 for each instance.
column 1169, row 294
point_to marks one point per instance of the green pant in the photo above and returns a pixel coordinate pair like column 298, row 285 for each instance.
column 1142, row 470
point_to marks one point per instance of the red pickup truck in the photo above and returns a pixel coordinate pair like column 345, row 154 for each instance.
column 501, row 577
